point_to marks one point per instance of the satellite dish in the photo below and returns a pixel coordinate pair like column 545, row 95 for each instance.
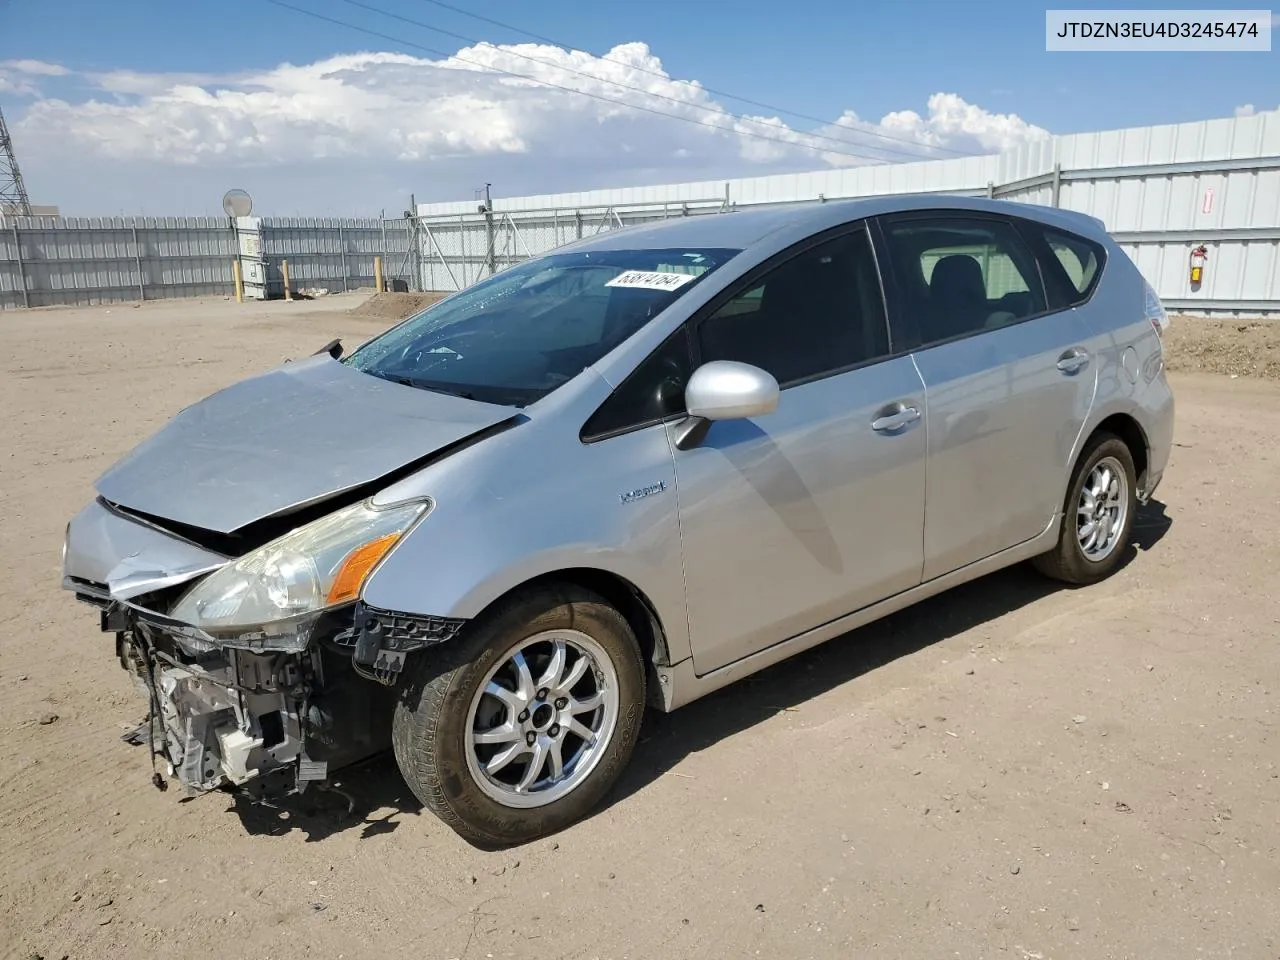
column 237, row 203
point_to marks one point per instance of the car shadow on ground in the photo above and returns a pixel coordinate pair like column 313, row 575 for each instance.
column 372, row 796
column 668, row 738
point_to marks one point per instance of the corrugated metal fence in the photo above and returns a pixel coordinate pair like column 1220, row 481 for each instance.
column 52, row 260
column 1161, row 191
column 336, row 254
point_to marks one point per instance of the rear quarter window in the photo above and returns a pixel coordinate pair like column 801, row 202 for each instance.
column 1076, row 263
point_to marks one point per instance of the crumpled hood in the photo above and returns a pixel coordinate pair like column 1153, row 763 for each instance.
column 296, row 435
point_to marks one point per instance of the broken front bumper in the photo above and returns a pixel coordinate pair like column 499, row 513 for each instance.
column 234, row 712
column 223, row 717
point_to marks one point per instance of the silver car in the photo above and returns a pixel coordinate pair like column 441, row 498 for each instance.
column 627, row 472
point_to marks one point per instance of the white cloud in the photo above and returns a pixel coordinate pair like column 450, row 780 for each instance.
column 390, row 116
column 36, row 67
column 17, row 77
column 1249, row 110
column 16, row 86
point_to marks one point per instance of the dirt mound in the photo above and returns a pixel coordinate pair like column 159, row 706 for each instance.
column 394, row 306
column 1242, row 348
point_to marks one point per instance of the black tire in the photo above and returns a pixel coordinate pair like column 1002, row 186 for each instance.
column 1067, row 561
column 429, row 728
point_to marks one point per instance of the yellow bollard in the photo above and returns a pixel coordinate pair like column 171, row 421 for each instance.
column 235, row 269
column 377, row 274
column 284, row 269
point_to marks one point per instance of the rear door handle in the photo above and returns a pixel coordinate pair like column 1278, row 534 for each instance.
column 894, row 417
column 1073, row 360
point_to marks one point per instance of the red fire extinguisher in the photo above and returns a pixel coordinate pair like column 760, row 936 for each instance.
column 1197, row 264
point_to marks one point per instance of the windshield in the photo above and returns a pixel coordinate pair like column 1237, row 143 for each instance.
column 515, row 337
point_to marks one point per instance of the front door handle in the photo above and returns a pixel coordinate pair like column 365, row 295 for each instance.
column 894, row 417
column 1073, row 360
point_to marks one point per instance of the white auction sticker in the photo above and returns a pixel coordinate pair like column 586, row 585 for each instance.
column 650, row 280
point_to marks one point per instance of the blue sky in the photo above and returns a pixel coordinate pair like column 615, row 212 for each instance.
column 236, row 120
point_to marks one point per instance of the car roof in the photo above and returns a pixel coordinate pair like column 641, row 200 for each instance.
column 740, row 228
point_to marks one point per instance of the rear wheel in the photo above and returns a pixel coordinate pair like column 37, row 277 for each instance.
column 530, row 723
column 1097, row 514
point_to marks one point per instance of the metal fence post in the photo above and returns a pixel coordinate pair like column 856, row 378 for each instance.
column 137, row 262
column 22, row 270
column 991, row 189
column 415, row 244
column 382, row 223
column 342, row 245
column 1057, row 184
column 490, row 238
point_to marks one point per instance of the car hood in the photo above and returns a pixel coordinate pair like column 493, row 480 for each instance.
column 285, row 439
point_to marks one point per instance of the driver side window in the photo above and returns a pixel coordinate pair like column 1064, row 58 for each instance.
column 815, row 314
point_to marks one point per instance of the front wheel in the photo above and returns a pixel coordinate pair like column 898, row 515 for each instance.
column 529, row 724
column 1097, row 514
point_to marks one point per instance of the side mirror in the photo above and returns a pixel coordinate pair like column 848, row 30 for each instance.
column 724, row 390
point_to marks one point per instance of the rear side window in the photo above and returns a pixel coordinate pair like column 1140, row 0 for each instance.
column 1080, row 261
column 961, row 276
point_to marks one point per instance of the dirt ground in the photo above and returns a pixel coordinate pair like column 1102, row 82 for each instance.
column 1009, row 770
column 1237, row 348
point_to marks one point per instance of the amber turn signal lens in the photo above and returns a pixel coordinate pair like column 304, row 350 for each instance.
column 350, row 578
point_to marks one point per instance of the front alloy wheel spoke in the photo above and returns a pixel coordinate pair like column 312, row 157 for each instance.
column 578, row 727
column 551, row 676
column 524, row 677
column 557, row 760
column 505, row 733
column 536, row 763
column 508, row 697
column 1104, row 532
column 500, row 760
column 576, row 673
column 586, row 703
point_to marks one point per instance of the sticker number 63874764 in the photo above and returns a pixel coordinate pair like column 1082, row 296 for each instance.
column 650, row 280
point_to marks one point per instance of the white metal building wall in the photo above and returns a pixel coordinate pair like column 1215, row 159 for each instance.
column 1161, row 191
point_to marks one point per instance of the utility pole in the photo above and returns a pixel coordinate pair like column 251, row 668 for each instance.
column 490, row 257
column 13, row 192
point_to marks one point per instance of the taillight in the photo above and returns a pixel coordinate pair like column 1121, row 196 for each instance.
column 1154, row 311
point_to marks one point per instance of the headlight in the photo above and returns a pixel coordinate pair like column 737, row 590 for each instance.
column 274, row 593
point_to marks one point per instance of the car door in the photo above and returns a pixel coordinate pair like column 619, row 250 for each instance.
column 1008, row 381
column 793, row 519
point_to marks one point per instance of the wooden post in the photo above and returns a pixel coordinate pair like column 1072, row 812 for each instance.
column 235, row 269
column 377, row 274
column 284, row 271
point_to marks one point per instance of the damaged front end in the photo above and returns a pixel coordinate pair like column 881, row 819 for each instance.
column 237, row 698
